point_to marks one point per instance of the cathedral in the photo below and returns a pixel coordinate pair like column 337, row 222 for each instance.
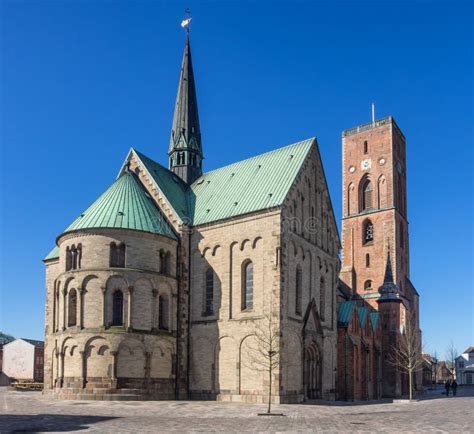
column 181, row 284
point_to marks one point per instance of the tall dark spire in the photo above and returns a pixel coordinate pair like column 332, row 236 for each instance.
column 185, row 150
column 389, row 290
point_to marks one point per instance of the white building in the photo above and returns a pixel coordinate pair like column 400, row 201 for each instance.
column 23, row 359
column 465, row 367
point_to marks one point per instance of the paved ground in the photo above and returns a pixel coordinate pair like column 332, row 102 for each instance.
column 32, row 412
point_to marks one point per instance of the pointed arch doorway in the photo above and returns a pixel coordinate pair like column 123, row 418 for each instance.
column 312, row 374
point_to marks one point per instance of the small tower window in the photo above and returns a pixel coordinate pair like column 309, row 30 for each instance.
column 366, row 147
column 367, row 260
column 368, row 232
column 367, row 285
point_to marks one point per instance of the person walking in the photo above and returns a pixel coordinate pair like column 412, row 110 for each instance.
column 454, row 386
column 447, row 386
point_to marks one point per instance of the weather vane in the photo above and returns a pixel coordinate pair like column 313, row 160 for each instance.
column 187, row 20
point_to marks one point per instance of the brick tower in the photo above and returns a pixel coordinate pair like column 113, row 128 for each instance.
column 375, row 229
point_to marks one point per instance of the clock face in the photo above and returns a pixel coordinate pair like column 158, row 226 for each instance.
column 366, row 164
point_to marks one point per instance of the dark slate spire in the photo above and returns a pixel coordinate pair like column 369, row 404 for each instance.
column 389, row 290
column 185, row 149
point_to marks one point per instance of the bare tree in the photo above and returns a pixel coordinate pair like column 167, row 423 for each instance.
column 264, row 351
column 406, row 355
column 451, row 354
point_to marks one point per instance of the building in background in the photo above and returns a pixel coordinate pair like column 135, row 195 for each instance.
column 4, row 339
column 465, row 367
column 23, row 360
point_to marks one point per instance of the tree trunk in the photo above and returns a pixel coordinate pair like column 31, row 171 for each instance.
column 410, row 380
column 270, row 388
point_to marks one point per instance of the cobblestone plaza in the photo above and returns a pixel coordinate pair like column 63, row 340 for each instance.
column 33, row 412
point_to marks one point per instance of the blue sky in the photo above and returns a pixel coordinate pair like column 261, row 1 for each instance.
column 83, row 81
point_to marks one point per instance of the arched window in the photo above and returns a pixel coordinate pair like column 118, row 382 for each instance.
column 117, row 255
column 367, row 285
column 68, row 259
column 298, row 290
column 247, row 285
column 74, row 257
column 367, row 260
column 163, row 312
column 117, row 308
column 209, row 293
column 72, row 308
column 162, row 261
column 167, row 268
column 322, row 298
column 79, row 255
column 367, row 232
column 113, row 254
column 367, row 195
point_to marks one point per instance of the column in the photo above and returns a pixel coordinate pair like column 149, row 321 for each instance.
column 104, row 292
column 129, row 316
column 83, row 368
column 61, row 378
column 81, row 308
column 113, row 378
column 147, row 368
column 54, row 309
column 64, row 308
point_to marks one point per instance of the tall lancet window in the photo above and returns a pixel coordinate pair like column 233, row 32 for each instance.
column 298, row 291
column 117, row 308
column 247, row 285
column 367, row 195
column 209, row 292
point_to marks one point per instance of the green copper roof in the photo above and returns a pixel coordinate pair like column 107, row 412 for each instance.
column 374, row 316
column 244, row 187
column 53, row 254
column 247, row 186
column 344, row 314
column 362, row 310
column 126, row 205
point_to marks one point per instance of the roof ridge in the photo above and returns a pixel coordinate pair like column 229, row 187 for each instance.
column 281, row 148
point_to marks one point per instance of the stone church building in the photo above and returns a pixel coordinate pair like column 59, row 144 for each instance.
column 159, row 288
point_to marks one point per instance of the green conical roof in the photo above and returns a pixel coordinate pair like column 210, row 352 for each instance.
column 124, row 205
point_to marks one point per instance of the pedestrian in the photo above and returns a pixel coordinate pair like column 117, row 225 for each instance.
column 447, row 385
column 454, row 386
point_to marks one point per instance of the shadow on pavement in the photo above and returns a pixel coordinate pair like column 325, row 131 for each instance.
column 48, row 422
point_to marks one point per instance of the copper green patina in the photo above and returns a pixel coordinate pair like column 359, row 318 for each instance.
column 245, row 187
column 124, row 205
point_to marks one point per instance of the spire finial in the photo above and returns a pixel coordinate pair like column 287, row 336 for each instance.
column 186, row 23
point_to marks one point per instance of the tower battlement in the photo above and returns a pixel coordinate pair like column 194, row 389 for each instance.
column 371, row 125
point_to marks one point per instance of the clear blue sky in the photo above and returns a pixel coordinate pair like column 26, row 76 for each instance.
column 83, row 81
